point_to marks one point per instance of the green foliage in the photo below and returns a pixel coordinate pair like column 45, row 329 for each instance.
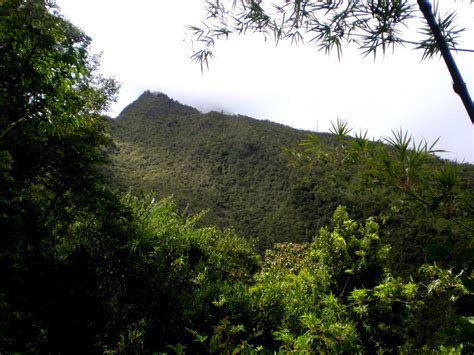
column 232, row 166
column 84, row 267
column 235, row 168
column 48, row 77
column 165, row 275
column 337, row 294
column 406, row 166
column 426, row 186
column 340, row 128
column 51, row 139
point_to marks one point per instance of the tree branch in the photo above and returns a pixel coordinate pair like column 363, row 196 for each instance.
column 459, row 85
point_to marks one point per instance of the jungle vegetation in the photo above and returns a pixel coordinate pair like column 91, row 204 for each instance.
column 311, row 243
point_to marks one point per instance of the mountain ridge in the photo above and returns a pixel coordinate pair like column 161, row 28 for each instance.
column 235, row 167
column 231, row 165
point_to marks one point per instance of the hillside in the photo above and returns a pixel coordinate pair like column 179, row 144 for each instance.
column 232, row 166
column 235, row 168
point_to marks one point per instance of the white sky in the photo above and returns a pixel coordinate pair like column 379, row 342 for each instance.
column 144, row 46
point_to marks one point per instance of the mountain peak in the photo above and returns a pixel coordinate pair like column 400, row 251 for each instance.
column 153, row 105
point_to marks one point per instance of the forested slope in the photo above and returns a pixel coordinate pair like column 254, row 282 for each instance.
column 232, row 166
column 239, row 170
column 88, row 269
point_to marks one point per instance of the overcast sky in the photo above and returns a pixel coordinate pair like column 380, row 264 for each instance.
column 144, row 46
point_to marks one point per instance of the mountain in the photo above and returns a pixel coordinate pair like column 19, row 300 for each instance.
column 232, row 166
column 235, row 168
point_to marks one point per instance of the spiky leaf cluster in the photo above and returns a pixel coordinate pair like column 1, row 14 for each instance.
column 372, row 25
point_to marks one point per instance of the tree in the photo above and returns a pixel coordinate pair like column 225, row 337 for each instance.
column 409, row 167
column 372, row 25
column 81, row 267
column 336, row 294
column 425, row 187
column 51, row 138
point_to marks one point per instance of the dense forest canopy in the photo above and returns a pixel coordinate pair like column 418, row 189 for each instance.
column 87, row 267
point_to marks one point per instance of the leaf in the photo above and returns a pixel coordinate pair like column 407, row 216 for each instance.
column 340, row 128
